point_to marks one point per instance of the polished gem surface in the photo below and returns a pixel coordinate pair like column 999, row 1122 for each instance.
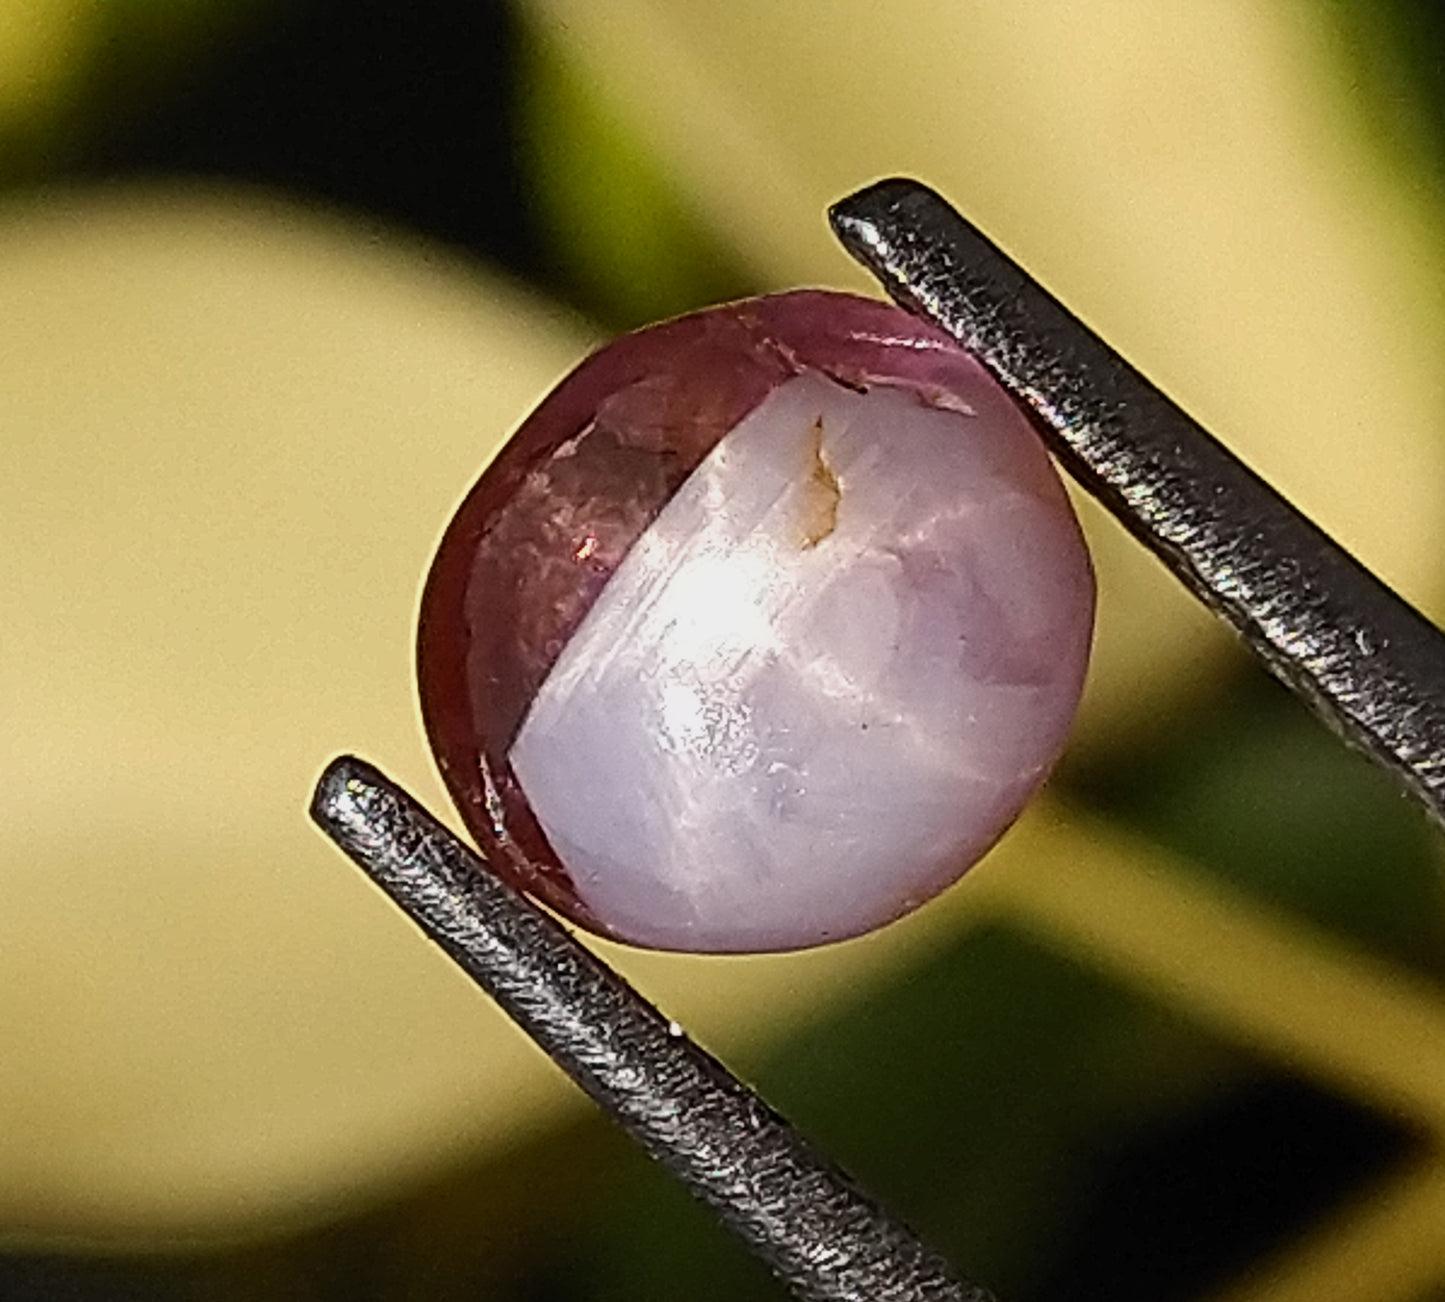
column 760, row 637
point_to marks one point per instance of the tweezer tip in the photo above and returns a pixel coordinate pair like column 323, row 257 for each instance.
column 852, row 216
column 333, row 803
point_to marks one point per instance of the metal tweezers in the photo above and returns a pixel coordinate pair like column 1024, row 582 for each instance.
column 1365, row 660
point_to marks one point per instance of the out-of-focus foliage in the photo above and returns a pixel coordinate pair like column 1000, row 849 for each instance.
column 1249, row 787
column 615, row 224
column 1185, row 1024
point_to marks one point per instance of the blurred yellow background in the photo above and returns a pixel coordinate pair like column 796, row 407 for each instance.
column 238, row 401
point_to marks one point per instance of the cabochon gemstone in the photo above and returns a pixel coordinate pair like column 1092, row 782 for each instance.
column 759, row 632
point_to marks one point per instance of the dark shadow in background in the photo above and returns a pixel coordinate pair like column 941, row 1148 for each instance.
column 401, row 111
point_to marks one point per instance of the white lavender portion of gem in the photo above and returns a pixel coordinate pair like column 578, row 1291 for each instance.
column 820, row 684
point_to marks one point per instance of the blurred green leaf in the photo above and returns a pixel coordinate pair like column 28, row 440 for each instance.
column 614, row 224
column 1253, row 790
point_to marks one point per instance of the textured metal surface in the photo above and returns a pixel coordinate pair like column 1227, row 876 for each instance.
column 818, row 1233
column 1368, row 663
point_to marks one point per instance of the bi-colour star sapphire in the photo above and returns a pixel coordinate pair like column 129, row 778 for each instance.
column 760, row 630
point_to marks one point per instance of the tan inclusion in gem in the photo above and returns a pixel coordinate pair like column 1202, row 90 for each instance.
column 823, row 493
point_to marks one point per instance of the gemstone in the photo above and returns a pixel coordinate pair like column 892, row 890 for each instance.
column 760, row 630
